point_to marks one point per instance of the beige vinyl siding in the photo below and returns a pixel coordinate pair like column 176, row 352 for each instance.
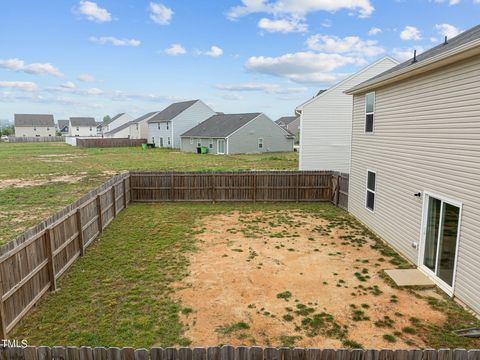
column 426, row 138
column 326, row 123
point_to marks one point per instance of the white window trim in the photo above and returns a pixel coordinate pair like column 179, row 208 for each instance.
column 224, row 146
column 258, row 143
column 372, row 191
column 369, row 113
column 450, row 290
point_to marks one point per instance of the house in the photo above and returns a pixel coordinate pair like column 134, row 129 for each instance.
column 63, row 127
column 326, row 122
column 83, row 126
column 290, row 123
column 135, row 129
column 415, row 171
column 165, row 128
column 237, row 134
column 34, row 125
column 100, row 128
column 116, row 121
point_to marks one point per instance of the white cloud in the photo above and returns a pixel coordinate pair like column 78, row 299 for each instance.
column 410, row 33
column 447, row 30
column 71, row 88
column 120, row 95
column 231, row 96
column 20, row 85
column 160, row 14
column 263, row 87
column 300, row 8
column 303, row 67
column 282, row 25
column 93, row 12
column 19, row 65
column 86, row 78
column 374, row 31
column 214, row 51
column 352, row 45
column 69, row 85
column 114, row 41
column 406, row 54
column 175, row 49
column 326, row 23
column 450, row 2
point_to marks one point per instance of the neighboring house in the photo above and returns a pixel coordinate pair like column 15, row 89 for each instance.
column 135, row 129
column 99, row 128
column 238, row 134
column 116, row 121
column 290, row 123
column 415, row 174
column 326, row 123
column 165, row 128
column 63, row 127
column 83, row 126
column 34, row 125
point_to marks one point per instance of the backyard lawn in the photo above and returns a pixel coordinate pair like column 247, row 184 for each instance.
column 240, row 274
column 37, row 179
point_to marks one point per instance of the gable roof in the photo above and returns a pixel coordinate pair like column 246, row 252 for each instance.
column 172, row 111
column 286, row 120
column 341, row 83
column 220, row 125
column 62, row 124
column 83, row 121
column 24, row 120
column 462, row 42
column 137, row 120
column 116, row 117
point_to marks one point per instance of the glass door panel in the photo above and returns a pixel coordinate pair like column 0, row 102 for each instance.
column 448, row 243
column 431, row 236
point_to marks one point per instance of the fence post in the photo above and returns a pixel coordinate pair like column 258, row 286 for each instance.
column 213, row 187
column 125, row 203
column 130, row 187
column 172, row 188
column 49, row 245
column 255, row 187
column 100, row 215
column 337, row 191
column 297, row 194
column 3, row 325
column 114, row 194
column 80, row 232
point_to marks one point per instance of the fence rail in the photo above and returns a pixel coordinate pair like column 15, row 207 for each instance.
column 19, row 139
column 110, row 142
column 31, row 264
column 230, row 353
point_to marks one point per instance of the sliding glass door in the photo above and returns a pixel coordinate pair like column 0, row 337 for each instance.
column 442, row 224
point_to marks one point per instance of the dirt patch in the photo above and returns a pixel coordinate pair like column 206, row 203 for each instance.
column 39, row 181
column 59, row 158
column 294, row 279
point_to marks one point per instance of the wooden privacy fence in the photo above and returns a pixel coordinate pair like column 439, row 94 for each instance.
column 107, row 142
column 296, row 186
column 31, row 264
column 230, row 353
column 19, row 139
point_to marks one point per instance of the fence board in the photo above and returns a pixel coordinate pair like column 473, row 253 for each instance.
column 13, row 139
column 109, row 142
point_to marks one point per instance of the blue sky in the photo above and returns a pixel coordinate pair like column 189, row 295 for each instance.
column 93, row 58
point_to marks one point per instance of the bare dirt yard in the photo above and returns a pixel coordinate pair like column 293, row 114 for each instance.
column 295, row 278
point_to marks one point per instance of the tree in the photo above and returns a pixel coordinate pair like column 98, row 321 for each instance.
column 107, row 119
column 8, row 130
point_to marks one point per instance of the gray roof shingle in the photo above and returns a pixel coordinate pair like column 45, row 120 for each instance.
column 286, row 120
column 83, row 121
column 28, row 120
column 172, row 111
column 459, row 40
column 116, row 117
column 62, row 124
column 220, row 126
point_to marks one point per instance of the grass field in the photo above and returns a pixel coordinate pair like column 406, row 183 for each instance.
column 153, row 284
column 37, row 179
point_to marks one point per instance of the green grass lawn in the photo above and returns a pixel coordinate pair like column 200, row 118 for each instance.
column 120, row 293
column 22, row 207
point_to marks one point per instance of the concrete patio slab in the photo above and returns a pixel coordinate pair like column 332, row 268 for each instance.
column 409, row 277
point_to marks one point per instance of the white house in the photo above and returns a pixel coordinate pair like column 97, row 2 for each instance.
column 116, row 121
column 83, row 126
column 415, row 171
column 135, row 129
column 326, row 122
column 34, row 125
column 165, row 127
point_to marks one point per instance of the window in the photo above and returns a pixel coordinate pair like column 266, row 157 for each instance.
column 210, row 144
column 191, row 141
column 153, row 140
column 199, row 143
column 136, row 126
column 168, row 126
column 90, row 128
column 260, row 143
column 168, row 140
column 369, row 111
column 159, row 127
column 34, row 129
column 371, row 189
column 48, row 129
column 77, row 128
